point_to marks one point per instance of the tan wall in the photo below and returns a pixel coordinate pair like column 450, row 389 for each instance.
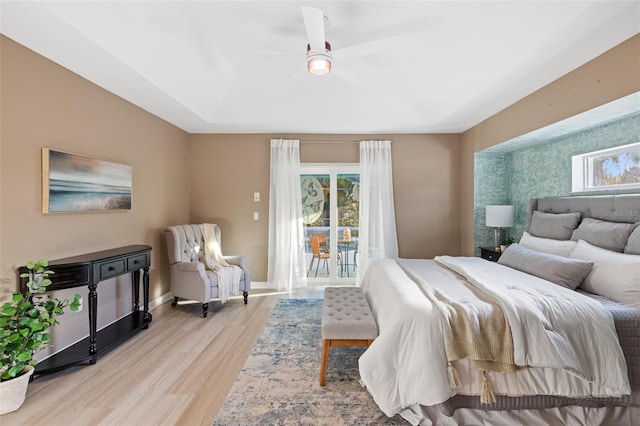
column 227, row 169
column 612, row 75
column 45, row 105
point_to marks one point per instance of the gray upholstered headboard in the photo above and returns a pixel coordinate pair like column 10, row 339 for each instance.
column 612, row 208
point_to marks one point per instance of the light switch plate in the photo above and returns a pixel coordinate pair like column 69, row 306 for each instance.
column 256, row 216
column 256, row 196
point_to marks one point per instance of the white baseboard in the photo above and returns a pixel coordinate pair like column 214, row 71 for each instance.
column 168, row 296
column 160, row 300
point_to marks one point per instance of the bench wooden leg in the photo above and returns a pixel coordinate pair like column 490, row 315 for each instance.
column 326, row 344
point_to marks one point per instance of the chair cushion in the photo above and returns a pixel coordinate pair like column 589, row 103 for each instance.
column 213, row 279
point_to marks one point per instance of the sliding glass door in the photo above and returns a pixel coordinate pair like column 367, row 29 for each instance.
column 330, row 209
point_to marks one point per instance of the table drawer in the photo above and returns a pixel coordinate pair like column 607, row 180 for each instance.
column 137, row 262
column 491, row 255
column 111, row 269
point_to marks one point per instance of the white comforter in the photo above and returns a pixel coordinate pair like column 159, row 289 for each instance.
column 569, row 340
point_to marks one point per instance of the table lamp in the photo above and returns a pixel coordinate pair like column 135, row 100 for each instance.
column 499, row 217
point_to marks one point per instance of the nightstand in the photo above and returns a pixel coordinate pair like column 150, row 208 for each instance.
column 490, row 253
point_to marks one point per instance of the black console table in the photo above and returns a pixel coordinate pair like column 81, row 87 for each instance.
column 88, row 270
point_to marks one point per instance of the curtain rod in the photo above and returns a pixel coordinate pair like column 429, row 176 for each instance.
column 328, row 142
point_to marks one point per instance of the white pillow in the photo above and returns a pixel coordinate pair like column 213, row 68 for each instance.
column 548, row 245
column 614, row 275
column 633, row 243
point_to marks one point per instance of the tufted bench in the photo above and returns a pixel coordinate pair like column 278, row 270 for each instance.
column 346, row 321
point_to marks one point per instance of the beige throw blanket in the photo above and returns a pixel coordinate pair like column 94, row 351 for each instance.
column 480, row 335
column 476, row 327
column 228, row 275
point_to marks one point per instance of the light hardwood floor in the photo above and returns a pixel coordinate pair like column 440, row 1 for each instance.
column 178, row 372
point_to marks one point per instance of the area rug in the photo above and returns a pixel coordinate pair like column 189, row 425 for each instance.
column 278, row 384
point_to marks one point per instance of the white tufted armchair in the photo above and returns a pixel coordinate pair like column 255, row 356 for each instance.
column 189, row 277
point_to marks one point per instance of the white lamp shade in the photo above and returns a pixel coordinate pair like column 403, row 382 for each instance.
column 500, row 216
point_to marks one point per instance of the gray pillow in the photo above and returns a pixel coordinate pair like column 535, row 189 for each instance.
column 607, row 235
column 557, row 226
column 559, row 270
column 633, row 243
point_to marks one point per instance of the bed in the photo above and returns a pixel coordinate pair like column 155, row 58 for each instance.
column 549, row 334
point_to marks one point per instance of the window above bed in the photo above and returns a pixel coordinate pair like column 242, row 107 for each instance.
column 606, row 170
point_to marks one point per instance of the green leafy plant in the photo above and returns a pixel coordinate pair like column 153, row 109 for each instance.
column 508, row 241
column 25, row 320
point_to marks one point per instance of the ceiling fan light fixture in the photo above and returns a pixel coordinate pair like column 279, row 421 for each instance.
column 319, row 63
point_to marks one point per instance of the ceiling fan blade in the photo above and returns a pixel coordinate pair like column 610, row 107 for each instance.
column 384, row 45
column 346, row 74
column 273, row 52
column 294, row 77
column 314, row 24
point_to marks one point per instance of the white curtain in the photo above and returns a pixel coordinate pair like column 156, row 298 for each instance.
column 377, row 234
column 286, row 267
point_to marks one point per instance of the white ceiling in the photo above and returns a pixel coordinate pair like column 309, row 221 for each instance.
column 399, row 67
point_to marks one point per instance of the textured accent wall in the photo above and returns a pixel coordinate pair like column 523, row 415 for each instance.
column 610, row 76
column 543, row 170
column 491, row 186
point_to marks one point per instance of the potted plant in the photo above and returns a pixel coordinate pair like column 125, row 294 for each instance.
column 506, row 243
column 24, row 324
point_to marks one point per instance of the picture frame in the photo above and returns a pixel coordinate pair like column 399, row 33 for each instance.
column 73, row 183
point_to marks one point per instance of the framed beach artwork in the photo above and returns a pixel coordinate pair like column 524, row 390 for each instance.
column 75, row 183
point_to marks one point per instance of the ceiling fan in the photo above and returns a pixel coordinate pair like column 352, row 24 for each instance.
column 319, row 59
